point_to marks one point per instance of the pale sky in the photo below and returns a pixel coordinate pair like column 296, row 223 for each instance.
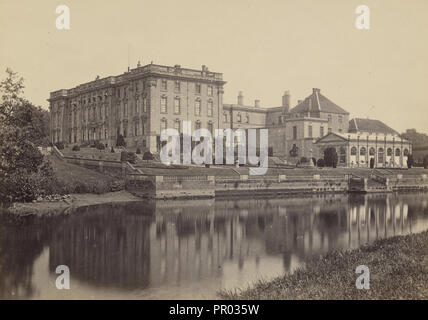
column 262, row 48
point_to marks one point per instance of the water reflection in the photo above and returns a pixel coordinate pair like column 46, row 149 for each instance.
column 192, row 248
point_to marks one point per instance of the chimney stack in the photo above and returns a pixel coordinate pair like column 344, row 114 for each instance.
column 240, row 99
column 257, row 103
column 314, row 90
column 286, row 102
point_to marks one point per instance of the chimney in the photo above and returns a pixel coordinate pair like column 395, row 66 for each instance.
column 316, row 90
column 286, row 102
column 240, row 99
column 299, row 101
column 257, row 103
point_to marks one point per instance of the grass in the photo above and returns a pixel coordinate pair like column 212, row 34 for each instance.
column 77, row 179
column 398, row 270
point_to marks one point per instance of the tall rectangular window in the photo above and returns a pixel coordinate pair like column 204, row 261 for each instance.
column 164, row 85
column 163, row 124
column 177, row 105
column 144, row 105
column 197, row 107
column 310, row 131
column 210, row 90
column 164, row 105
column 321, row 131
column 177, row 125
column 294, row 132
column 177, row 86
column 210, row 108
column 198, row 88
column 210, row 127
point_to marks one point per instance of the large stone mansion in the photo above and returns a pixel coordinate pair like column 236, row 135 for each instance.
column 143, row 101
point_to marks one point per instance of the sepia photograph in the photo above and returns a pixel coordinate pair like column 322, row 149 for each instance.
column 217, row 151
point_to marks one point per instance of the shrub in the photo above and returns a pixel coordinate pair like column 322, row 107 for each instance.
column 76, row 148
column 132, row 157
column 99, row 145
column 59, row 145
column 148, row 156
column 303, row 160
column 138, row 151
column 320, row 163
column 112, row 150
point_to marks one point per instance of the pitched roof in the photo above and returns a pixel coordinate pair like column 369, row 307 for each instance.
column 369, row 125
column 318, row 102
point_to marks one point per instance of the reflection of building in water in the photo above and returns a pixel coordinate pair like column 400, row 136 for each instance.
column 173, row 242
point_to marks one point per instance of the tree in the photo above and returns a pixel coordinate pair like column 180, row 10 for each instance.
column 148, row 156
column 410, row 161
column 21, row 129
column 294, row 151
column 120, row 142
column 330, row 157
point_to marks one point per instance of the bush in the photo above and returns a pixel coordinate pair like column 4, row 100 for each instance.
column 76, row 148
column 112, row 150
column 138, row 151
column 303, row 160
column 99, row 145
column 59, row 145
column 132, row 157
column 148, row 156
column 320, row 163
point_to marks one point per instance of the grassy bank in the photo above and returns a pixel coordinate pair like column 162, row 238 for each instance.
column 398, row 270
column 77, row 179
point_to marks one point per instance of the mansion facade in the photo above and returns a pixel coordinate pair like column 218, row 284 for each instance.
column 141, row 102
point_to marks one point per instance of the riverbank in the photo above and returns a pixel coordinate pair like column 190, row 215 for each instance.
column 398, row 270
column 46, row 208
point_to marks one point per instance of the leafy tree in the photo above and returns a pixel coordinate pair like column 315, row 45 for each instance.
column 330, row 157
column 410, row 161
column 148, row 156
column 320, row 162
column 22, row 127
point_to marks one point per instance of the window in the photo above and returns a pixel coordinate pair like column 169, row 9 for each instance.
column 363, row 151
column 177, row 125
column 321, row 131
column 329, row 118
column 342, row 153
column 294, row 132
column 310, row 131
column 372, row 151
column 389, row 152
column 177, row 105
column 210, row 127
column 238, row 118
column 210, row 108
column 197, row 107
column 177, row 86
column 164, row 85
column 164, row 105
column 353, row 151
column 247, row 118
column 406, row 152
column 397, row 152
column 340, row 119
column 380, row 155
column 137, row 106
column 163, row 124
column 210, row 90
column 224, row 117
column 198, row 88
column 144, row 105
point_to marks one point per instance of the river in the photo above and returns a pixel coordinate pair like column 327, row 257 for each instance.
column 190, row 249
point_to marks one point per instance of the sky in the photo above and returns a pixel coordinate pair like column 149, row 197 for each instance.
column 263, row 48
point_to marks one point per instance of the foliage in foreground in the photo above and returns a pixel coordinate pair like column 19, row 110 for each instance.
column 23, row 127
